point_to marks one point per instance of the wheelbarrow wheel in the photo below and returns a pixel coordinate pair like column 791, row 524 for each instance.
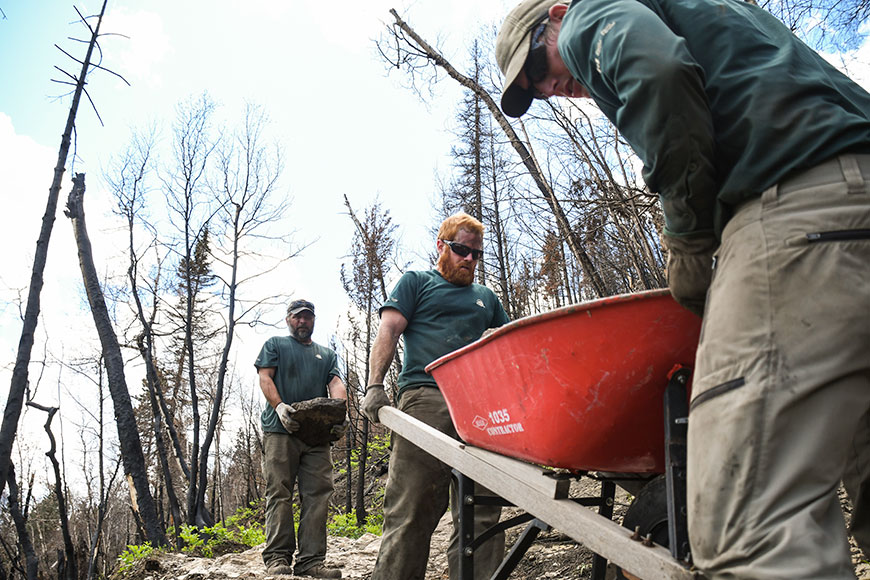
column 648, row 514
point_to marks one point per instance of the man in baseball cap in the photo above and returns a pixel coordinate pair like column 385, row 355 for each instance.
column 292, row 369
column 759, row 150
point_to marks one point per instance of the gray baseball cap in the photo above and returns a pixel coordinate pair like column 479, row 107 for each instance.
column 512, row 48
column 298, row 306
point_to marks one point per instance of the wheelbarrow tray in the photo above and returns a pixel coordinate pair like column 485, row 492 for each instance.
column 580, row 387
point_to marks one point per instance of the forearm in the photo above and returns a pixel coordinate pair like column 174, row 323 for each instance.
column 336, row 389
column 270, row 391
column 383, row 351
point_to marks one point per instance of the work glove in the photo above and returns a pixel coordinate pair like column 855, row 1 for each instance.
column 690, row 268
column 338, row 431
column 375, row 399
column 285, row 415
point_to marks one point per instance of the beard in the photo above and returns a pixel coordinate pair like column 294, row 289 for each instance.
column 454, row 274
column 301, row 333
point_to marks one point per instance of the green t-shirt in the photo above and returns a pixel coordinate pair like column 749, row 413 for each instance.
column 442, row 317
column 717, row 97
column 302, row 372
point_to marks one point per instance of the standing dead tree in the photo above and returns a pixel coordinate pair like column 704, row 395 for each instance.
column 18, row 386
column 31, row 570
column 410, row 46
column 125, row 419
column 621, row 217
column 249, row 179
column 192, row 215
column 67, row 566
column 128, row 184
column 366, row 287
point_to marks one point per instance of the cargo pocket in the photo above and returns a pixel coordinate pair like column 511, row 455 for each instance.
column 834, row 236
column 714, row 392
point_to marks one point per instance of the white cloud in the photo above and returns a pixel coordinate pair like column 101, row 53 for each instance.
column 855, row 63
column 27, row 170
column 141, row 56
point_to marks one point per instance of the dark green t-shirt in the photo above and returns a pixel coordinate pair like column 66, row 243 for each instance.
column 717, row 98
column 442, row 317
column 302, row 372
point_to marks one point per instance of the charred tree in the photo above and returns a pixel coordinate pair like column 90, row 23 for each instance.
column 31, row 561
column 367, row 290
column 18, row 385
column 128, row 432
column 249, row 172
column 128, row 184
column 70, row 568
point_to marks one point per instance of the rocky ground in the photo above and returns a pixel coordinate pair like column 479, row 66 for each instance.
column 554, row 556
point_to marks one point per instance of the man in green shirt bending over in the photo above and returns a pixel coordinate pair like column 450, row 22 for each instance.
column 294, row 369
column 759, row 151
column 437, row 311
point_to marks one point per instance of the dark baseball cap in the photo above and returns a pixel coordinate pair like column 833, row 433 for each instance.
column 298, row 306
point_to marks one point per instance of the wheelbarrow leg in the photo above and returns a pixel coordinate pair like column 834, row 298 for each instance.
column 599, row 563
column 468, row 544
column 676, row 431
column 465, row 491
column 519, row 549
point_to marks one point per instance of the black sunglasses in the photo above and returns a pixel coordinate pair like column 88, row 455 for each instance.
column 536, row 67
column 462, row 250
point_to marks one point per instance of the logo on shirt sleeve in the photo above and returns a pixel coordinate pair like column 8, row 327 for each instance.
column 599, row 44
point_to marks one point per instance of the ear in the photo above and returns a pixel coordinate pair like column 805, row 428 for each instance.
column 439, row 245
column 557, row 12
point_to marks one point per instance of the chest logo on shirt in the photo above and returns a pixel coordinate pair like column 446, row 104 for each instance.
column 318, row 356
column 480, row 303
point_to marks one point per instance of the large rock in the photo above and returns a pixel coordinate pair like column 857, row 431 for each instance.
column 316, row 418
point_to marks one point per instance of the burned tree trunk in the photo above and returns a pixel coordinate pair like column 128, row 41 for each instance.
column 70, row 571
column 31, row 561
column 128, row 432
column 15, row 400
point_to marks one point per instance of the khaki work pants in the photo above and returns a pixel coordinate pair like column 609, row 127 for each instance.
column 780, row 409
column 287, row 461
column 416, row 497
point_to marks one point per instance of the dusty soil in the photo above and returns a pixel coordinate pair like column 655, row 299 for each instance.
column 553, row 555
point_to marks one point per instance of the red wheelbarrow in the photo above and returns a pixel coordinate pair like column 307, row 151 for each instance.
column 595, row 387
column 579, row 387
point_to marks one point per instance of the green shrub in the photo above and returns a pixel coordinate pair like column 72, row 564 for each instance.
column 345, row 525
column 128, row 558
column 378, row 446
column 193, row 541
column 241, row 531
